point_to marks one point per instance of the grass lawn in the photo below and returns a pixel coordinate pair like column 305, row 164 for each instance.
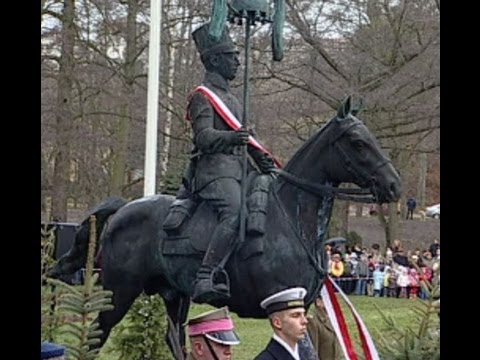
column 255, row 334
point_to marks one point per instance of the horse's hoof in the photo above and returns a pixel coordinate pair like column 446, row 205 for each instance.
column 206, row 292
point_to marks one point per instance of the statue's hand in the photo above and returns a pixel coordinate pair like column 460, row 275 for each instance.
column 266, row 164
column 239, row 137
column 252, row 132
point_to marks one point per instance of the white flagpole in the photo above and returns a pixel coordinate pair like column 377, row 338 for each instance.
column 152, row 99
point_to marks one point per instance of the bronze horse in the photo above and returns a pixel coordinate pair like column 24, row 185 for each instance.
column 138, row 256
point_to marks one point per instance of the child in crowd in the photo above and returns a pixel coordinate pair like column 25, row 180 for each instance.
column 378, row 276
column 425, row 277
column 386, row 276
column 414, row 284
column 403, row 281
column 388, row 254
column 371, row 268
column 362, row 273
column 337, row 267
column 392, row 283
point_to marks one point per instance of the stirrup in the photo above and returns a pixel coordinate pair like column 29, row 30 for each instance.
column 210, row 287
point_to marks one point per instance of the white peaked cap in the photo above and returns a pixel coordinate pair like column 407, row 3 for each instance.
column 285, row 299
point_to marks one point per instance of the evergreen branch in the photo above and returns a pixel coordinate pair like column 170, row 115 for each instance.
column 71, row 289
column 99, row 294
column 73, row 351
column 95, row 334
column 73, row 309
column 101, row 308
column 72, row 333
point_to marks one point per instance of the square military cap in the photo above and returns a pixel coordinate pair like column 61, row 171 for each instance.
column 283, row 300
column 216, row 325
column 51, row 351
column 207, row 46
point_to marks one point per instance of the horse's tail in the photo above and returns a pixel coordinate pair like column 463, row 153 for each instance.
column 76, row 257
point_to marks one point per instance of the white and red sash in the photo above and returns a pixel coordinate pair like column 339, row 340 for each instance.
column 230, row 119
column 340, row 326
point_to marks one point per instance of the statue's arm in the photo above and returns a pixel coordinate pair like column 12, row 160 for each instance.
column 263, row 160
column 206, row 137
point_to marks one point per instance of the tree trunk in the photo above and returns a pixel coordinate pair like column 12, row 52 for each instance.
column 167, row 128
column 123, row 130
column 117, row 179
column 393, row 228
column 44, row 184
column 180, row 58
column 63, row 116
column 391, row 224
column 339, row 223
column 422, row 179
column 384, row 222
column 359, row 210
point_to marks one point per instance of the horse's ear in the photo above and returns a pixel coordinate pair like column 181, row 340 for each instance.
column 345, row 108
column 358, row 107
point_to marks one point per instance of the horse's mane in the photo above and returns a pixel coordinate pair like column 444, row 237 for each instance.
column 306, row 147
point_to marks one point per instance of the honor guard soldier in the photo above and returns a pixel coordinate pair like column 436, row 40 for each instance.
column 212, row 335
column 286, row 311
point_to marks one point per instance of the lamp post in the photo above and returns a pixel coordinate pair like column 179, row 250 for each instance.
column 249, row 12
column 152, row 102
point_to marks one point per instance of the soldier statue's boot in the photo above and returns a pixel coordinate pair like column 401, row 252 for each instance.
column 212, row 282
column 208, row 286
column 257, row 203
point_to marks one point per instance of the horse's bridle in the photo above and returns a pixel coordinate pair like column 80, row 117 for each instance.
column 367, row 178
column 357, row 195
column 326, row 190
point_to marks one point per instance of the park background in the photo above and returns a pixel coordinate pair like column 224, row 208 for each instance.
column 94, row 93
column 94, row 98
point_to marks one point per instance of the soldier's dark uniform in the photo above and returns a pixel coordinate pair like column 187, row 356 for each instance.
column 278, row 348
column 218, row 163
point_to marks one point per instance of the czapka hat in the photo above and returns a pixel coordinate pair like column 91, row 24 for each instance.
column 206, row 46
column 216, row 325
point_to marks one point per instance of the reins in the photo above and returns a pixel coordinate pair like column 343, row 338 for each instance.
column 314, row 261
column 349, row 194
column 358, row 195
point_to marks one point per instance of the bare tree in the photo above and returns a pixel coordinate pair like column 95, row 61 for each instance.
column 93, row 144
column 386, row 52
column 63, row 113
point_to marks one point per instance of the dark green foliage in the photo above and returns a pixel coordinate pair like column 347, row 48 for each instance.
column 171, row 184
column 334, row 228
column 141, row 336
column 74, row 308
column 353, row 238
column 82, row 304
column 172, row 180
column 49, row 295
column 47, row 246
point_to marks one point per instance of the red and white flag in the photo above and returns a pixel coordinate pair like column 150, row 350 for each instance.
column 339, row 324
column 230, row 119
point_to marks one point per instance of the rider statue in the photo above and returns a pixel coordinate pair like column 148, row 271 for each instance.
column 215, row 169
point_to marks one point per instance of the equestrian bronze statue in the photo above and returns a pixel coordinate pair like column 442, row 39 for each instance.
column 138, row 255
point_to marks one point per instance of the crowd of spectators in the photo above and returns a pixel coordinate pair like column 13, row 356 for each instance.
column 392, row 273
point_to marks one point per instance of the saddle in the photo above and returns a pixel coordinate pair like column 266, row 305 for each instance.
column 189, row 221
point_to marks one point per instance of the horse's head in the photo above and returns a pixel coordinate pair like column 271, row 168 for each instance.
column 356, row 156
